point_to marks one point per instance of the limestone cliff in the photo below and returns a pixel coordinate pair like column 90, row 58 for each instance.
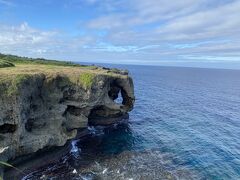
column 44, row 105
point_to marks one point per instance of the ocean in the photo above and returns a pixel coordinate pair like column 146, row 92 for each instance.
column 185, row 125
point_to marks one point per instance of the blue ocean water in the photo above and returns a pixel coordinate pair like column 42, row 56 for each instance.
column 191, row 113
column 186, row 120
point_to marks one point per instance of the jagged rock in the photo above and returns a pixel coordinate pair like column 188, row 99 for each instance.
column 48, row 109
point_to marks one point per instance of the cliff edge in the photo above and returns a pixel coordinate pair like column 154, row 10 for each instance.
column 44, row 103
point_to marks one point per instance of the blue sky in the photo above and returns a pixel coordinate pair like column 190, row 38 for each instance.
column 153, row 32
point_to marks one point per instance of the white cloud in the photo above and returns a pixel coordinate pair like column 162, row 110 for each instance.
column 22, row 39
column 23, row 35
column 156, row 24
column 143, row 30
column 212, row 23
column 140, row 12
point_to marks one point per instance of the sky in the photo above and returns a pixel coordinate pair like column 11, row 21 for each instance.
column 144, row 32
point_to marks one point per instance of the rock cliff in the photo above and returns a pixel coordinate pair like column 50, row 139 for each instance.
column 44, row 105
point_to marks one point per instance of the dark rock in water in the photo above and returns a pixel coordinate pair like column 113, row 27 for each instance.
column 91, row 157
column 47, row 109
column 149, row 165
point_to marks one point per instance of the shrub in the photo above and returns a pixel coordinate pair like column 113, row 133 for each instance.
column 4, row 64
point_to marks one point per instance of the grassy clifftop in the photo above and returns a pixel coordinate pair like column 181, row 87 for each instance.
column 25, row 60
column 15, row 70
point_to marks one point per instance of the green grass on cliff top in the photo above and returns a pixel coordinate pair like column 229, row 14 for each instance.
column 15, row 70
column 25, row 60
column 11, row 65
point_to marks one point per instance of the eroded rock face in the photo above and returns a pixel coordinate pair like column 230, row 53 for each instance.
column 47, row 111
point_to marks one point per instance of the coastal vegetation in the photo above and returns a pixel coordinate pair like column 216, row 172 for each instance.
column 4, row 64
column 15, row 70
column 5, row 164
column 25, row 60
column 86, row 79
column 2, row 163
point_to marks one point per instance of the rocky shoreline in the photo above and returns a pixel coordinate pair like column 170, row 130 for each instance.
column 84, row 158
column 48, row 107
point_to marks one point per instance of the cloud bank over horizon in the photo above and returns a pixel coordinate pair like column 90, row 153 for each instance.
column 131, row 32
